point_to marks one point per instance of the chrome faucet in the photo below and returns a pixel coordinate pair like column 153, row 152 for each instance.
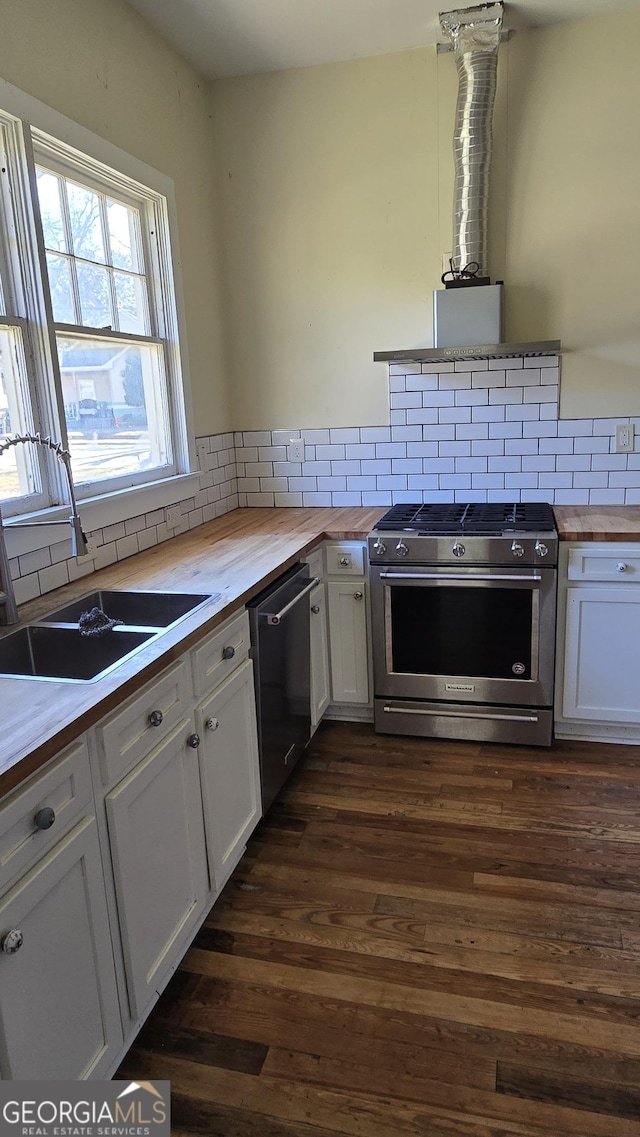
column 8, row 608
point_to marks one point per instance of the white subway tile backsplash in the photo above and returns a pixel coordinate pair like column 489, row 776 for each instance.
column 425, row 416
column 472, row 430
column 375, row 434
column 454, row 414
column 488, row 414
column 606, row 497
column 361, row 450
column 491, row 446
column 329, row 452
column 422, row 383
column 405, row 434
column 454, row 449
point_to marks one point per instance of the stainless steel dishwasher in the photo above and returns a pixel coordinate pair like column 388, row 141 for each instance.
column 279, row 619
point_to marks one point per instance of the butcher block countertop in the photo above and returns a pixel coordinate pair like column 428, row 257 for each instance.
column 598, row 522
column 236, row 555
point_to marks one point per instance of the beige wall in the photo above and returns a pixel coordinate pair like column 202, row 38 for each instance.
column 335, row 188
column 573, row 206
column 97, row 62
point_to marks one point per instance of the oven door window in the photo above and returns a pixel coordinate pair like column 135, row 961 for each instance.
column 476, row 631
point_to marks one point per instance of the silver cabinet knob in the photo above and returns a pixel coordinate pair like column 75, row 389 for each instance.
column 621, row 566
column 12, row 942
column 517, row 549
column 315, row 608
column 212, row 724
column 228, row 652
column 401, row 548
column 155, row 718
column 358, row 595
column 193, row 741
column 458, row 549
column 379, row 547
column 345, row 561
column 541, row 549
column 44, row 818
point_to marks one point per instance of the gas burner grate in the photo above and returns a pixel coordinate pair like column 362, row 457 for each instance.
column 490, row 519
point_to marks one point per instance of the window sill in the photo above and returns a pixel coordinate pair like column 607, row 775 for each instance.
column 97, row 512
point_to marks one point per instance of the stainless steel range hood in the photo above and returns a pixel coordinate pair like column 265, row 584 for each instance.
column 467, row 313
column 468, row 352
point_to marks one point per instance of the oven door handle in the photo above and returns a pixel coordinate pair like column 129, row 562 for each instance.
column 468, row 578
column 389, row 709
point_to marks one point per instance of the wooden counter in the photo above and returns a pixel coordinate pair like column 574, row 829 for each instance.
column 598, row 522
column 236, row 555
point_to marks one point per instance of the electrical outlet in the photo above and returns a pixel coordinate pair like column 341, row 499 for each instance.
column 624, row 438
column 295, row 450
column 172, row 516
column 202, row 455
column 92, row 548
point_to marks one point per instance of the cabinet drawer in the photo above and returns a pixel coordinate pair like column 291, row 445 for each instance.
column 607, row 562
column 65, row 787
column 127, row 735
column 220, row 653
column 345, row 559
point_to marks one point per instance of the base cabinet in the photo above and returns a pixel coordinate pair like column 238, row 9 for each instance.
column 602, row 654
column 229, row 770
column 348, row 641
column 156, row 835
column 59, row 1013
column 319, row 642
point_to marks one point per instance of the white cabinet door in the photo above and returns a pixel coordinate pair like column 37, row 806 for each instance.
column 320, row 681
column 348, row 641
column 229, row 770
column 156, row 834
column 602, row 654
column 59, row 1015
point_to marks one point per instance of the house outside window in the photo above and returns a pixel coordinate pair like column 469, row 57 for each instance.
column 89, row 349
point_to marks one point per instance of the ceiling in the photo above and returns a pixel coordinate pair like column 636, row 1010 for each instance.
column 239, row 37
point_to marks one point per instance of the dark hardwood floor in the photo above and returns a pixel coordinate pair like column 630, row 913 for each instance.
column 423, row 939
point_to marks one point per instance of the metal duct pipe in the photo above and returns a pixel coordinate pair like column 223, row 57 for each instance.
column 475, row 35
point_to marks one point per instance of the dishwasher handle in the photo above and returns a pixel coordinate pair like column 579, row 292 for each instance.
column 275, row 618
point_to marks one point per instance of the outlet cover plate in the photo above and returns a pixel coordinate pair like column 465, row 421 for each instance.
column 295, row 450
column 172, row 516
column 624, row 438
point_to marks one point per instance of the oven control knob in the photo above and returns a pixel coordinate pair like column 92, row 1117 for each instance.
column 541, row 549
column 379, row 547
column 401, row 548
column 458, row 549
column 517, row 549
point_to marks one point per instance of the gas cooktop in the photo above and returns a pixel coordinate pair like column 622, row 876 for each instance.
column 492, row 519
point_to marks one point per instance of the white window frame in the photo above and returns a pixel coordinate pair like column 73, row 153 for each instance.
column 68, row 142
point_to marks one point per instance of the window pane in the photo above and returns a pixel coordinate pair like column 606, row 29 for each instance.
column 115, row 406
column 50, row 211
column 123, row 236
column 95, row 298
column 86, row 228
column 60, row 286
column 131, row 300
column 18, row 470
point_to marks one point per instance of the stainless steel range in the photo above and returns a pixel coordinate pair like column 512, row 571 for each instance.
column 463, row 604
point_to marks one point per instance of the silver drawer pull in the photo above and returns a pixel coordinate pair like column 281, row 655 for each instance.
column 621, row 566
column 44, row 818
column 358, row 595
column 228, row 652
column 12, row 942
column 193, row 741
column 315, row 608
column 212, row 724
column 155, row 718
column 345, row 561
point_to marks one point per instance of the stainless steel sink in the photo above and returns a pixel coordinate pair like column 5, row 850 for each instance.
column 39, row 652
column 54, row 648
column 135, row 609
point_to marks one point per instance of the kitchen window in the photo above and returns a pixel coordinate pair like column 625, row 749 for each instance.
column 89, row 348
